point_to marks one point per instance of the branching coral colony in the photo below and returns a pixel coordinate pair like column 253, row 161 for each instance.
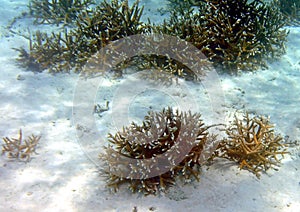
column 234, row 34
column 93, row 29
column 160, row 132
column 57, row 11
column 20, row 148
column 253, row 144
column 290, row 9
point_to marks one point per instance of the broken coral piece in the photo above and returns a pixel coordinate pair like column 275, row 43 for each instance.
column 19, row 148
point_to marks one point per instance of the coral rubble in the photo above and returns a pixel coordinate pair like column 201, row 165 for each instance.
column 20, row 148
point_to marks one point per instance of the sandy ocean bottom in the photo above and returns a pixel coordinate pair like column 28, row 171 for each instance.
column 64, row 175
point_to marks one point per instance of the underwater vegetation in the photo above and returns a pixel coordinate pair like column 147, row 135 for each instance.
column 57, row 11
column 183, row 132
column 20, row 148
column 251, row 142
column 234, row 34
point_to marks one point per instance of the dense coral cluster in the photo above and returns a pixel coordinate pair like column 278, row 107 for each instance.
column 57, row 11
column 149, row 157
column 236, row 35
column 92, row 30
column 166, row 145
column 56, row 52
column 20, row 148
column 253, row 144
column 290, row 9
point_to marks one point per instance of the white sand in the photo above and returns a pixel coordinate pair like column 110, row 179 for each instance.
column 63, row 178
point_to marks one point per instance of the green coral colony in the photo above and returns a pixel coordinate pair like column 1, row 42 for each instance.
column 235, row 35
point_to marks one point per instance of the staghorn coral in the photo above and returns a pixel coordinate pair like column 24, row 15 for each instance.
column 290, row 9
column 170, row 145
column 57, row 11
column 164, row 64
column 19, row 148
column 234, row 34
column 253, row 144
column 167, row 144
column 183, row 4
column 56, row 52
column 63, row 51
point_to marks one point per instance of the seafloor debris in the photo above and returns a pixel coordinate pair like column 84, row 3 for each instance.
column 99, row 109
column 20, row 148
column 253, row 144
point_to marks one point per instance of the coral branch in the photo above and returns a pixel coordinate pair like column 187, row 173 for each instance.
column 19, row 148
column 253, row 144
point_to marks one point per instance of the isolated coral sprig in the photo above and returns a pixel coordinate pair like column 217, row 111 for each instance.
column 253, row 144
column 20, row 148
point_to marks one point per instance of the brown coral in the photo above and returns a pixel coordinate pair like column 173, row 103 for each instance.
column 253, row 144
column 148, row 157
column 57, row 11
column 92, row 30
column 19, row 148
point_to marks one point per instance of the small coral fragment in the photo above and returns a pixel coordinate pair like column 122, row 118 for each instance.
column 19, row 148
column 253, row 144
